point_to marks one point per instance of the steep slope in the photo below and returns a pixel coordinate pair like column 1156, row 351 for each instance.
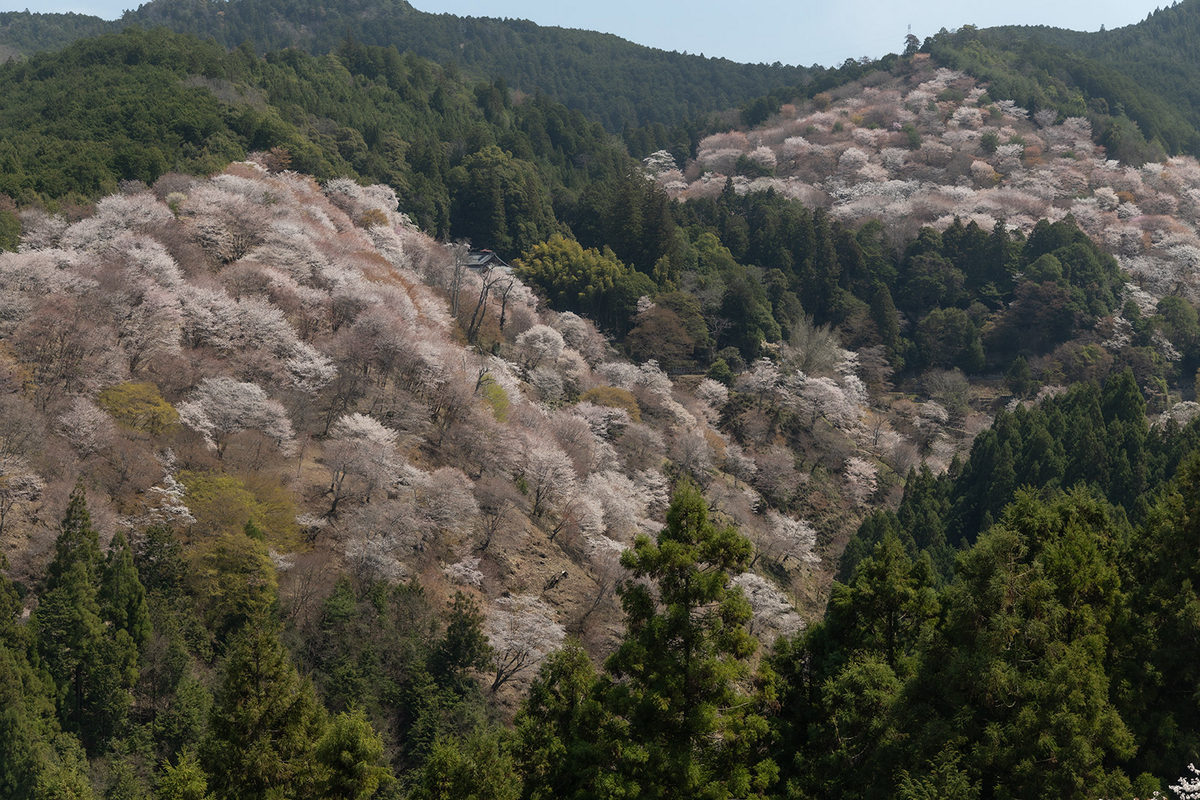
column 253, row 346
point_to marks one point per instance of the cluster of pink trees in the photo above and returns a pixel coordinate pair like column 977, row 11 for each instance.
column 909, row 153
column 306, row 348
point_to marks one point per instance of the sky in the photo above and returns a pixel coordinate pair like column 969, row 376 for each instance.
column 825, row 32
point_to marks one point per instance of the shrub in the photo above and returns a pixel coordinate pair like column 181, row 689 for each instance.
column 613, row 397
column 139, row 406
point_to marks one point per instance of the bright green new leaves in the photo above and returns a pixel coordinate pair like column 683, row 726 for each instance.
column 183, row 781
column 350, row 763
column 139, row 406
column 584, row 281
column 477, row 767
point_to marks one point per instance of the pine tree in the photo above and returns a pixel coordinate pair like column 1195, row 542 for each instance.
column 122, row 596
column 679, row 725
column 184, row 780
column 93, row 665
column 265, row 721
column 77, row 542
column 349, row 759
column 558, row 727
column 464, row 648
column 36, row 760
column 1017, row 674
column 1163, row 632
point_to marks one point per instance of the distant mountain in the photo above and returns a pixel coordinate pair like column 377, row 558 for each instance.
column 608, row 78
column 1147, row 74
column 23, row 33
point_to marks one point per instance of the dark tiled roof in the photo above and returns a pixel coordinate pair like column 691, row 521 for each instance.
column 484, row 259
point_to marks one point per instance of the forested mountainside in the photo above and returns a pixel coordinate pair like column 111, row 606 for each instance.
column 473, row 160
column 295, row 503
column 608, row 78
column 1136, row 119
column 1158, row 53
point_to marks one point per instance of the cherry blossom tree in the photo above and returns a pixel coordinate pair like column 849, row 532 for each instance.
column 861, row 479
column 370, row 553
column 624, row 504
column 522, row 631
column 761, row 380
column 714, row 393
column 774, row 612
column 221, row 407
column 693, row 454
column 782, row 538
column 539, row 345
column 361, row 458
column 1188, row 787
column 465, row 571
column 86, row 427
column 823, row 398
column 445, row 504
column 548, row 475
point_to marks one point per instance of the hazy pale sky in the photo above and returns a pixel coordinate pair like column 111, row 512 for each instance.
column 805, row 32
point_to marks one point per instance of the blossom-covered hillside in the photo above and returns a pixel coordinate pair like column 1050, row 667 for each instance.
column 255, row 347
column 930, row 146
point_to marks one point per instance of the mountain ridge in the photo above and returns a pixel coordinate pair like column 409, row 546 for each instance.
column 569, row 64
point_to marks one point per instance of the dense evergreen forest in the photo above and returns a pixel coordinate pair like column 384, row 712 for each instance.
column 1157, row 53
column 614, row 81
column 295, row 505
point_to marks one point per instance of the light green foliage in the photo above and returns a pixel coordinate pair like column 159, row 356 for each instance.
column 496, row 398
column 349, row 759
column 139, row 406
column 233, row 580
column 588, row 281
column 1046, row 268
column 478, row 767
column 184, row 780
column 614, row 397
column 223, row 503
column 941, row 778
